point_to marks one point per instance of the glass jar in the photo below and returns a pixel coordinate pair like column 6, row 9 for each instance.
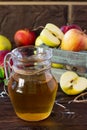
column 31, row 85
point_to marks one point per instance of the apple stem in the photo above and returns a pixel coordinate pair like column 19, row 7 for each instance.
column 40, row 27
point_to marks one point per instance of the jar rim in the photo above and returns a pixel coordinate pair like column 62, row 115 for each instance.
column 32, row 53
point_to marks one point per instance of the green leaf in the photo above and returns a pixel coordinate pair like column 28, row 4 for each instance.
column 6, row 82
column 1, row 80
column 2, row 72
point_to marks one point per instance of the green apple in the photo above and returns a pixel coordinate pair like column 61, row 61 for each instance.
column 38, row 41
column 5, row 43
column 51, row 35
column 72, row 84
column 49, row 39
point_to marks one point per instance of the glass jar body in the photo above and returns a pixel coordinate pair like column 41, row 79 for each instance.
column 32, row 96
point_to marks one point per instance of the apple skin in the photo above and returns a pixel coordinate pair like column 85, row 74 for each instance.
column 38, row 41
column 66, row 28
column 5, row 43
column 56, row 65
column 24, row 37
column 74, row 40
column 2, row 55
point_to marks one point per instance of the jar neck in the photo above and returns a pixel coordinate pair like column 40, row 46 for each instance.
column 31, row 60
column 31, row 70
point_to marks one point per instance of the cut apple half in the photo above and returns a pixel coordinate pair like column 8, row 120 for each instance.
column 81, row 84
column 55, row 30
column 72, row 84
column 48, row 38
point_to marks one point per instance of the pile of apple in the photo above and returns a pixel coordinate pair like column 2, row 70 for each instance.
column 74, row 40
column 68, row 37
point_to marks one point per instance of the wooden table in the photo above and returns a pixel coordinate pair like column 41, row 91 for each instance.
column 76, row 119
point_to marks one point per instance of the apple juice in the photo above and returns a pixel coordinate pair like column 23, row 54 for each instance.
column 32, row 96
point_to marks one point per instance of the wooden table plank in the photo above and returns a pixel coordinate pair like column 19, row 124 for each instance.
column 58, row 119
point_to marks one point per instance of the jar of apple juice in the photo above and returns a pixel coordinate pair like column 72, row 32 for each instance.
column 31, row 86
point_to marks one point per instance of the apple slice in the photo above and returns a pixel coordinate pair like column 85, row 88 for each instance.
column 51, row 35
column 72, row 84
column 48, row 38
column 55, row 30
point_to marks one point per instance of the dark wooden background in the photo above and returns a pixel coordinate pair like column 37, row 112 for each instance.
column 14, row 16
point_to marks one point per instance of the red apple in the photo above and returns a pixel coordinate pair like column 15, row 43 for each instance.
column 66, row 28
column 74, row 40
column 24, row 37
column 2, row 55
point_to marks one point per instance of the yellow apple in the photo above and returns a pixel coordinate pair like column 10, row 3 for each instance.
column 49, row 39
column 5, row 43
column 38, row 41
column 56, row 65
column 74, row 40
column 72, row 84
column 51, row 35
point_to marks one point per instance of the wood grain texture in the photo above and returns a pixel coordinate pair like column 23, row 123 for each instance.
column 14, row 17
